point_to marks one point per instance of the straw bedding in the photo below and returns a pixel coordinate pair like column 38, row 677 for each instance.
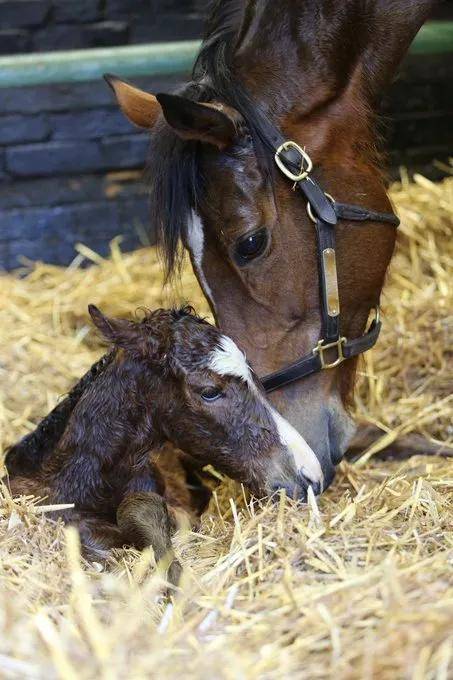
column 358, row 584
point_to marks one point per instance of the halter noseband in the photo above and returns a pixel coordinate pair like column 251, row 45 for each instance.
column 325, row 212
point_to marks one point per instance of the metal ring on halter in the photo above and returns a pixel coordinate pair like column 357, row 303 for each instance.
column 310, row 211
column 377, row 314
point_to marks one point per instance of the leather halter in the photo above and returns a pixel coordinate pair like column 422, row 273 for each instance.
column 325, row 212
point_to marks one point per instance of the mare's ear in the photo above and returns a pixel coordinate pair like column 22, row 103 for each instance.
column 139, row 107
column 212, row 123
column 387, row 32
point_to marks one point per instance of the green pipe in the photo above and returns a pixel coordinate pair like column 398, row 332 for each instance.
column 435, row 37
column 157, row 59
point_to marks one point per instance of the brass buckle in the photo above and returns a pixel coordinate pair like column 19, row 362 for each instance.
column 305, row 159
column 321, row 348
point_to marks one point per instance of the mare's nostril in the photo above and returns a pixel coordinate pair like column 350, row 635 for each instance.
column 336, row 448
column 329, row 475
column 336, row 456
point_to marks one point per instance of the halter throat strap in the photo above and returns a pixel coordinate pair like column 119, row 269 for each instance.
column 332, row 348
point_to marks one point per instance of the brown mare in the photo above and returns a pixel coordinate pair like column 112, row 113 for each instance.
column 170, row 378
column 314, row 70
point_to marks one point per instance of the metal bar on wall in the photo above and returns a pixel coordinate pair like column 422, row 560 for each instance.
column 435, row 37
column 156, row 59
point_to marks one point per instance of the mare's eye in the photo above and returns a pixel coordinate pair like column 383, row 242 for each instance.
column 251, row 246
column 211, row 393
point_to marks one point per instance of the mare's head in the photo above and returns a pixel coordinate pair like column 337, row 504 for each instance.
column 315, row 71
column 200, row 394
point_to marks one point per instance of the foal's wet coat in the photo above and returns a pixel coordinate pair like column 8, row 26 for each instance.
column 171, row 377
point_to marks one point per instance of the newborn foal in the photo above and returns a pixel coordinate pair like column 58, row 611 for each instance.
column 170, row 377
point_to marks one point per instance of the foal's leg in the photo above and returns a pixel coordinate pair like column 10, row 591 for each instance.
column 144, row 520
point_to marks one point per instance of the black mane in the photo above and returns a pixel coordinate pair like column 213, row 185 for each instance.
column 176, row 186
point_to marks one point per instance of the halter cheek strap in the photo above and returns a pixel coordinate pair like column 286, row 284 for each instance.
column 332, row 348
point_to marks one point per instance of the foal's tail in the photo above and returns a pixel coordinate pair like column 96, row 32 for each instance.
column 26, row 457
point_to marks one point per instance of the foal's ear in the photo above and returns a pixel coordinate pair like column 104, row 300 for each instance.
column 128, row 335
column 117, row 331
column 139, row 107
column 212, row 123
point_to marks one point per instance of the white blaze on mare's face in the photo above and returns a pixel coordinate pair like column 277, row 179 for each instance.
column 227, row 359
column 195, row 243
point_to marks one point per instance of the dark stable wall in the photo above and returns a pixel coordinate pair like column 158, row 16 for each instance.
column 71, row 165
column 43, row 25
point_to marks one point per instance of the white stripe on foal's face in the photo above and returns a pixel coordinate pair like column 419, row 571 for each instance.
column 227, row 359
column 195, row 243
column 305, row 460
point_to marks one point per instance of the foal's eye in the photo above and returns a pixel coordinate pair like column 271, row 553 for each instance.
column 211, row 393
column 251, row 246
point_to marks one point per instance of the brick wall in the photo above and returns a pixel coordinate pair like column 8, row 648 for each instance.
column 70, row 171
column 42, row 25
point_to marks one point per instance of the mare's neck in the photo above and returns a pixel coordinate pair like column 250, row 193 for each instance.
column 305, row 69
column 297, row 59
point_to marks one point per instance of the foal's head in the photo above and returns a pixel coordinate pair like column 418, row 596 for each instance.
column 199, row 393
